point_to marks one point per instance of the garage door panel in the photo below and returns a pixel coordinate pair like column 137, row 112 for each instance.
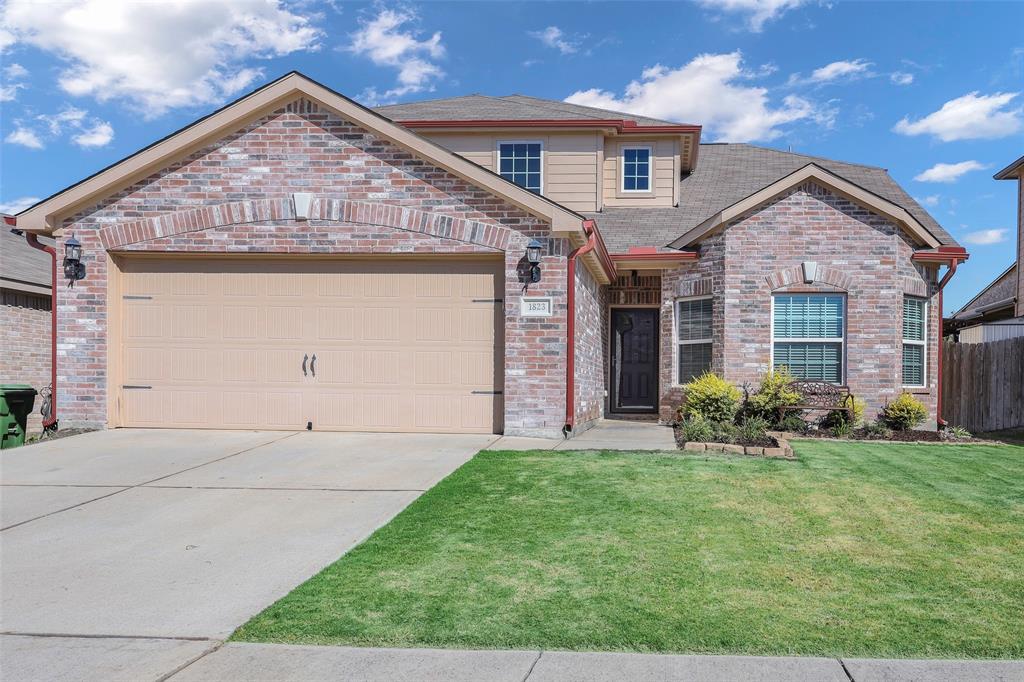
column 401, row 345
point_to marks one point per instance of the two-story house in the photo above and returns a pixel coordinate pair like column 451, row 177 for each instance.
column 477, row 264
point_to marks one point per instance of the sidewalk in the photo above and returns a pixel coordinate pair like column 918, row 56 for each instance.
column 238, row 661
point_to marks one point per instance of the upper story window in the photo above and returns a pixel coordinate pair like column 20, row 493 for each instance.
column 636, row 169
column 520, row 162
column 915, row 337
column 808, row 332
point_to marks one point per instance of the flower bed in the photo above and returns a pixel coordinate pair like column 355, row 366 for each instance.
column 772, row 445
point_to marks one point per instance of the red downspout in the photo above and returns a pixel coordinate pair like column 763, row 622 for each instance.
column 33, row 241
column 570, row 345
column 940, row 422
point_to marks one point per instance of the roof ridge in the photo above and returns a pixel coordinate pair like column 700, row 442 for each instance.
column 548, row 102
column 805, row 156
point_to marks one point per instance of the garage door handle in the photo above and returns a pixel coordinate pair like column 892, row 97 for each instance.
column 312, row 365
column 305, row 359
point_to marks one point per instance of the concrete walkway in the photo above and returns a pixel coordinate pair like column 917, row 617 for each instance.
column 238, row 661
column 607, row 434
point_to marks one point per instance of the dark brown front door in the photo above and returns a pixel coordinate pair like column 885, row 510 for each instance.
column 634, row 360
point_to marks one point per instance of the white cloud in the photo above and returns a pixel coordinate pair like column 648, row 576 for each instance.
column 970, row 117
column 98, row 135
column 14, row 73
column 948, row 172
column 757, row 12
column 18, row 205
column 158, row 55
column 931, row 200
column 386, row 44
column 85, row 130
column 710, row 90
column 901, row 77
column 985, row 237
column 555, row 38
column 25, row 137
column 839, row 70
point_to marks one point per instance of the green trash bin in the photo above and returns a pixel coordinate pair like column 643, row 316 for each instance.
column 16, row 402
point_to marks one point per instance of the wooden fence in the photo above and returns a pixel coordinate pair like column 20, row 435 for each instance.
column 983, row 384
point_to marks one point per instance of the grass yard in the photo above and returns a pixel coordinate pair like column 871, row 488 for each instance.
column 857, row 549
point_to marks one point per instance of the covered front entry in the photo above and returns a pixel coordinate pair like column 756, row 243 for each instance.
column 634, row 360
column 363, row 344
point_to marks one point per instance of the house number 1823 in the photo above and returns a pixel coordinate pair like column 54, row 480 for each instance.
column 537, row 306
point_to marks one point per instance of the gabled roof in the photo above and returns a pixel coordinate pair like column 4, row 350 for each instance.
column 1000, row 293
column 729, row 173
column 1012, row 171
column 46, row 215
column 506, row 108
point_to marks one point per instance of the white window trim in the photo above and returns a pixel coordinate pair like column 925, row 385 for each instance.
column 650, row 169
column 817, row 339
column 676, row 342
column 923, row 344
column 543, row 158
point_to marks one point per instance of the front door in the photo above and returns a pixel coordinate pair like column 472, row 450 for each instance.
column 634, row 360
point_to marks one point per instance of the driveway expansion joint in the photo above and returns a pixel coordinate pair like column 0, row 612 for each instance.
column 842, row 664
column 67, row 635
column 533, row 665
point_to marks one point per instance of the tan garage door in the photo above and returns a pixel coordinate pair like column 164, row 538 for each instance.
column 399, row 345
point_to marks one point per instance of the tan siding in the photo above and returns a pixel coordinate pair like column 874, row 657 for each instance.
column 664, row 173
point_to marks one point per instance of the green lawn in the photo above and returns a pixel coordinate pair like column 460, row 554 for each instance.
column 855, row 550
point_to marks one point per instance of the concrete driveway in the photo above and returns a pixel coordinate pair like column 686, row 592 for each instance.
column 128, row 553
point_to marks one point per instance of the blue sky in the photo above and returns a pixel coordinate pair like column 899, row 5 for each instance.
column 934, row 92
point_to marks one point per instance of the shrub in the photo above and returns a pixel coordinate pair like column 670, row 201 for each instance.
column 711, row 397
column 877, row 430
column 696, row 429
column 753, row 429
column 904, row 413
column 842, row 429
column 725, row 432
column 793, row 422
column 956, row 433
column 773, row 393
column 837, row 417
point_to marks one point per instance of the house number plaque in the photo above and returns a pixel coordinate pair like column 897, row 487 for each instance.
column 537, row 306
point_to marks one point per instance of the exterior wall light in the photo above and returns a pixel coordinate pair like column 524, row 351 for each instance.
column 533, row 253
column 74, row 268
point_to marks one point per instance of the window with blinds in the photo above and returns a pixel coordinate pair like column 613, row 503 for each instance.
column 693, row 337
column 915, row 337
column 808, row 333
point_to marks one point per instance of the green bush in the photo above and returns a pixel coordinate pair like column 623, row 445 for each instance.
column 793, row 422
column 711, row 397
column 837, row 417
column 956, row 433
column 903, row 413
column 696, row 429
column 725, row 432
column 773, row 393
column 877, row 430
column 842, row 429
column 753, row 429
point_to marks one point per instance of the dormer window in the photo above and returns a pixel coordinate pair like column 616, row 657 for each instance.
column 636, row 169
column 520, row 162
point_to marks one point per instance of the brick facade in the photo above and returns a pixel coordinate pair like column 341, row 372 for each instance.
column 372, row 197
column 591, row 374
column 25, row 339
column 857, row 252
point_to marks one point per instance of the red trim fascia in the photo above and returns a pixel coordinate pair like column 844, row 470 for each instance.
column 623, row 126
column 33, row 241
column 942, row 254
column 607, row 264
column 659, row 257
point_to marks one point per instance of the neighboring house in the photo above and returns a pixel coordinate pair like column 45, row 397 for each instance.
column 997, row 312
column 296, row 259
column 24, row 316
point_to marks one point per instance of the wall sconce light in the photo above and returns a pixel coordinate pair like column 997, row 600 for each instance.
column 533, row 254
column 74, row 268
